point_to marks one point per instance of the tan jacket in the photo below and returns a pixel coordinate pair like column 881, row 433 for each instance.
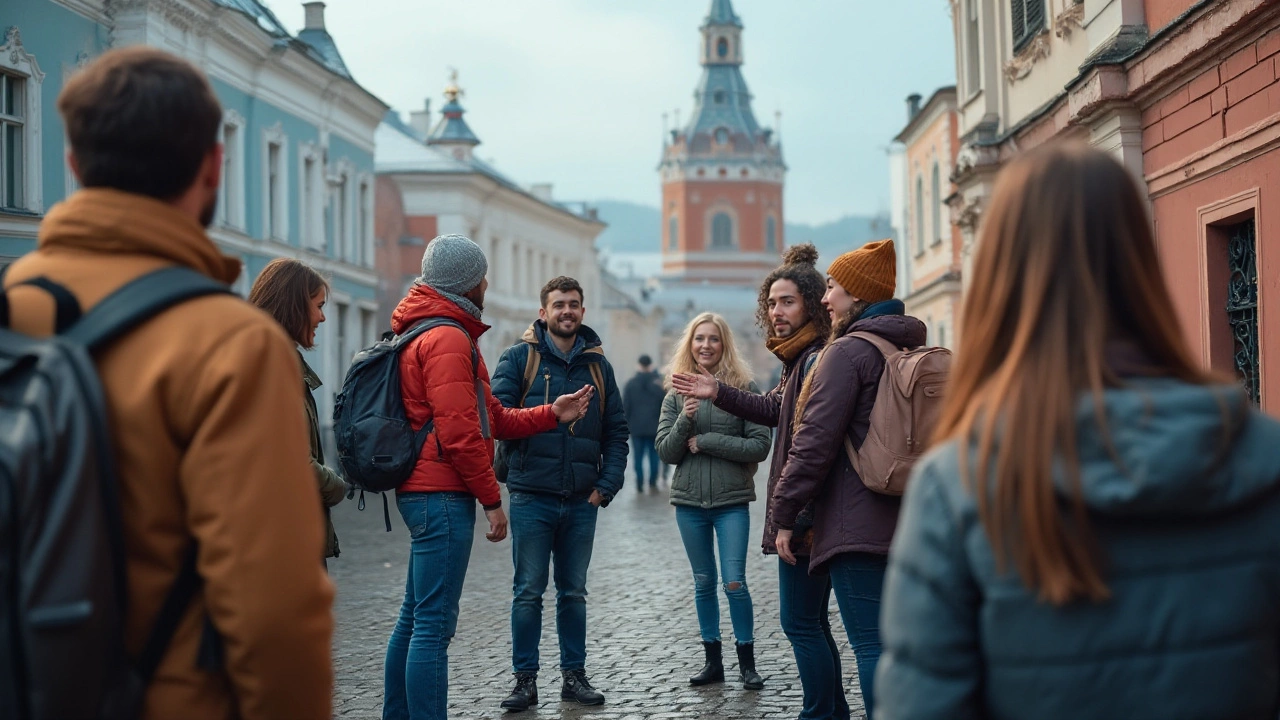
column 211, row 445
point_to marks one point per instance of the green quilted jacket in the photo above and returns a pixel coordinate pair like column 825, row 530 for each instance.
column 723, row 470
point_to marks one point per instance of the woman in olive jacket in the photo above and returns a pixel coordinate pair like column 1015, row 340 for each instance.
column 294, row 294
column 715, row 455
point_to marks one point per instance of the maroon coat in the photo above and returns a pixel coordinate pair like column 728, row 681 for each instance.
column 849, row 517
column 775, row 409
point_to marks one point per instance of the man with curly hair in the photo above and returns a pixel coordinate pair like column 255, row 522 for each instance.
column 796, row 326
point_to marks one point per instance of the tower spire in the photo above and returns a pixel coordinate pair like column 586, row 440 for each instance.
column 452, row 132
column 722, row 13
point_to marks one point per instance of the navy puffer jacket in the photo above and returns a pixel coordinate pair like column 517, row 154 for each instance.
column 572, row 460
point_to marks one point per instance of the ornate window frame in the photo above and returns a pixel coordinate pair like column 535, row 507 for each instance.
column 311, row 229
column 231, row 210
column 15, row 59
column 275, row 136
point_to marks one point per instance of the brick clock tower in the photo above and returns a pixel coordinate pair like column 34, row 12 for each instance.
column 722, row 174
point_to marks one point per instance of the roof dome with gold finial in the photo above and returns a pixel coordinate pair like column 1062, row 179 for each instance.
column 452, row 129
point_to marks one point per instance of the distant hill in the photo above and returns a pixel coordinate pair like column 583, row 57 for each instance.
column 635, row 228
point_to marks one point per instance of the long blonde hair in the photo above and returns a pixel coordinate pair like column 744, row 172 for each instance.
column 1066, row 263
column 732, row 369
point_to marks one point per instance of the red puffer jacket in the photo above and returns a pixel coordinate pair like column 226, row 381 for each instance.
column 437, row 382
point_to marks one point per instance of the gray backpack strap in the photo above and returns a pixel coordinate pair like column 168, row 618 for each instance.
column 138, row 301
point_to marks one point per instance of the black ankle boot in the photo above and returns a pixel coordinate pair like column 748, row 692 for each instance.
column 751, row 679
column 577, row 688
column 525, row 695
column 713, row 670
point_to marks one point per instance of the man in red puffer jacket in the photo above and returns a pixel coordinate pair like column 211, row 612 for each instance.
column 455, row 470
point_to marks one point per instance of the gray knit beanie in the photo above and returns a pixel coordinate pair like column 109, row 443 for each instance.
column 453, row 264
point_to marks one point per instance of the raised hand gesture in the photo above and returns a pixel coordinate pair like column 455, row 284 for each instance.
column 703, row 386
column 571, row 408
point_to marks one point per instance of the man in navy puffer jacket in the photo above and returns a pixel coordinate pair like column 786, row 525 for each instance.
column 557, row 481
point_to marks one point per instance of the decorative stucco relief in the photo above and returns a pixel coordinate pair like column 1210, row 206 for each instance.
column 1020, row 66
column 1069, row 20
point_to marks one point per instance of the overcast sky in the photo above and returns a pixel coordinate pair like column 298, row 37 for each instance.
column 572, row 92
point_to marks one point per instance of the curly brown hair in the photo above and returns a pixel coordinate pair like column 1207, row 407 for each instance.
column 798, row 266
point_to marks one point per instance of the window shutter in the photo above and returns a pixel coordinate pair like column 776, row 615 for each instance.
column 1019, row 23
column 1035, row 16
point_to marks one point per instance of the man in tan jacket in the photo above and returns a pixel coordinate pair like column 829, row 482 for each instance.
column 209, row 436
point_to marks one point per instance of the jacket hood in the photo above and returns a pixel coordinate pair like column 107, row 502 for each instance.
column 110, row 221
column 1174, row 449
column 422, row 302
column 901, row 330
column 537, row 335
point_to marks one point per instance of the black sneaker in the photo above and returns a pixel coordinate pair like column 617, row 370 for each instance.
column 577, row 688
column 524, row 695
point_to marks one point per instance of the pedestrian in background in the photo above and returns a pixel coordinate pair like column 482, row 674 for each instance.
column 852, row 525
column 715, row 455
column 294, row 294
column 1094, row 534
column 796, row 325
column 642, row 400
column 445, row 382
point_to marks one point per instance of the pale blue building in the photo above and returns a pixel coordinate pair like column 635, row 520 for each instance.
column 298, row 178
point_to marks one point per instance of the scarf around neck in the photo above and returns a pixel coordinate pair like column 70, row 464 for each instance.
column 468, row 306
column 787, row 349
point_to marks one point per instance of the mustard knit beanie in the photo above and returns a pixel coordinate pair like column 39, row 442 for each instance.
column 869, row 273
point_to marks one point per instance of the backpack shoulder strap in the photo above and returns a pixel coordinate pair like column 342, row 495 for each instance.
column 530, row 370
column 430, row 323
column 885, row 347
column 597, row 377
column 138, row 301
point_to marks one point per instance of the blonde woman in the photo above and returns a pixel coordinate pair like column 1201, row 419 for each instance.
column 715, row 455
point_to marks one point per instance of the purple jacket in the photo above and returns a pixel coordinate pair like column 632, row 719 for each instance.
column 775, row 408
column 849, row 517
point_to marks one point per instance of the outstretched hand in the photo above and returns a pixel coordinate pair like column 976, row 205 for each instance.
column 703, row 386
column 571, row 408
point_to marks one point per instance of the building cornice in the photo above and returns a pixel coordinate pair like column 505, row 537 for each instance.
column 475, row 182
column 940, row 103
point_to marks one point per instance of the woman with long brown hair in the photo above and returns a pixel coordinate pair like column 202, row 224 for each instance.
column 294, row 294
column 1095, row 534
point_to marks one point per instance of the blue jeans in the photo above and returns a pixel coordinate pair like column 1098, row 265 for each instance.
column 545, row 527
column 803, row 601
column 644, row 448
column 702, row 529
column 858, row 582
column 416, row 676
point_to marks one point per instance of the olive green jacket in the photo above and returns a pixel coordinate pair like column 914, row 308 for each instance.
column 332, row 487
column 723, row 470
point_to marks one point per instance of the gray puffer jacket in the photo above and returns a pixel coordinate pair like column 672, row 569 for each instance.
column 722, row 472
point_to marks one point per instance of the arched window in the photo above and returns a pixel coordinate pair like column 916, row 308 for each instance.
column 722, row 231
column 722, row 47
column 919, row 214
column 937, row 205
column 673, row 233
column 771, row 234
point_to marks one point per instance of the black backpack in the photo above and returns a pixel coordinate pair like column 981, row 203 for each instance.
column 377, row 447
column 62, row 559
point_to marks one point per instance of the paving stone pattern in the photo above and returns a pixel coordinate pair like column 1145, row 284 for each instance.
column 642, row 631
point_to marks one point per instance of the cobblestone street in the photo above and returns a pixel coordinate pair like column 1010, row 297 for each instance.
column 642, row 638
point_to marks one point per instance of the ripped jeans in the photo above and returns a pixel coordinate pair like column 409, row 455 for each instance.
column 702, row 530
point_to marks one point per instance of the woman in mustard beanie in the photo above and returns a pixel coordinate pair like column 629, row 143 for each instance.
column 853, row 526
